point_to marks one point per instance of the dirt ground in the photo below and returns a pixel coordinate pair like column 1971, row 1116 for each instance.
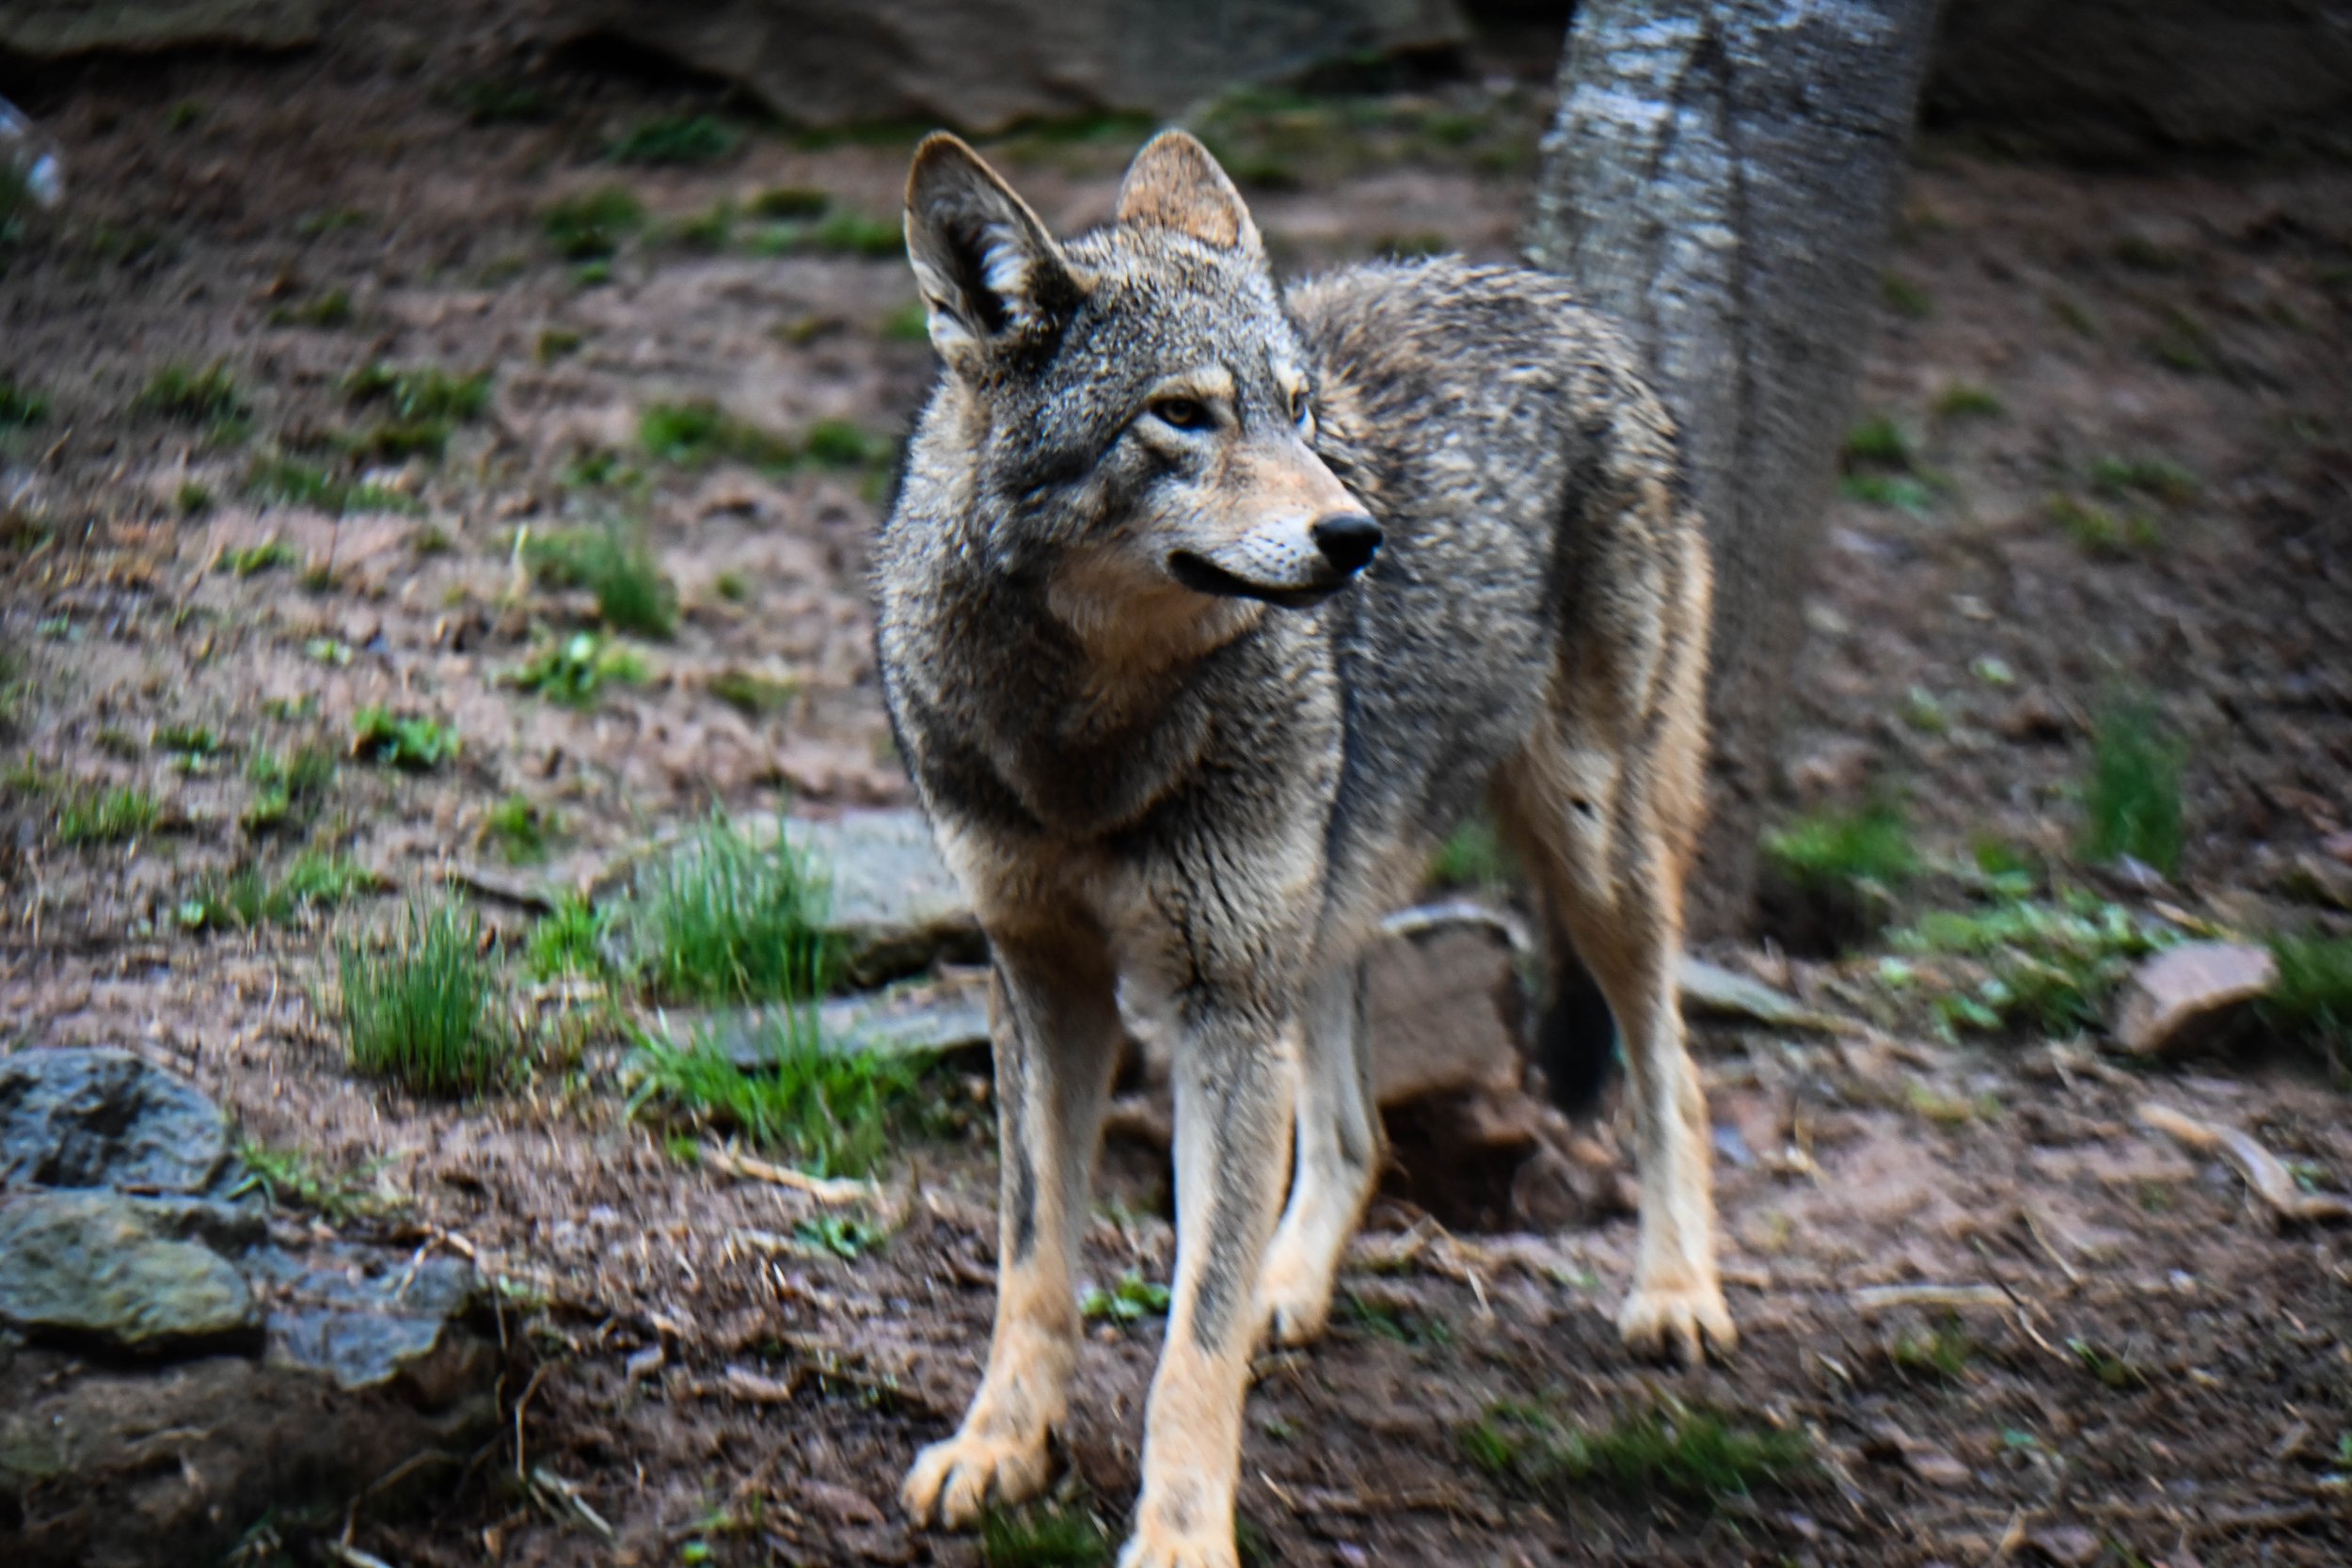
column 2164, row 1375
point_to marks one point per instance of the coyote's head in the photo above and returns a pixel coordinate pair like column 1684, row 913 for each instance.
column 1134, row 407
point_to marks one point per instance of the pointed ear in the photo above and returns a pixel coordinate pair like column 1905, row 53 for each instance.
column 1174, row 184
column 986, row 269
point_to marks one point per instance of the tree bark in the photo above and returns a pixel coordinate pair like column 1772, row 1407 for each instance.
column 1720, row 178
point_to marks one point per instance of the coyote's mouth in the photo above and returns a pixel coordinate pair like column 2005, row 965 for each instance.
column 1204, row 576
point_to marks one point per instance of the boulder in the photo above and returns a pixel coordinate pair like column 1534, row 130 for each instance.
column 104, row 1118
column 2188, row 999
column 895, row 908
column 981, row 65
column 175, row 1364
column 58, row 29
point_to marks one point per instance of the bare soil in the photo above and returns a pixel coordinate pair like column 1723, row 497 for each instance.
column 2192, row 314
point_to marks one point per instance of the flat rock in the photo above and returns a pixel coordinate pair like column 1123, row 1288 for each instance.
column 921, row 1019
column 2186, row 998
column 103, row 1117
column 95, row 1269
column 895, row 908
column 1710, row 990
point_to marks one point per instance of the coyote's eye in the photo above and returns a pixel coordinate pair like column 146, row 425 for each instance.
column 1302, row 413
column 1182, row 413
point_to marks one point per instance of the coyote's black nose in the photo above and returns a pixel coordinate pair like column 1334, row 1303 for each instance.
column 1347, row 540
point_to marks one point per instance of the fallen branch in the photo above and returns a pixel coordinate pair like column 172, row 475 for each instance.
column 1873, row 1299
column 2263, row 1171
column 823, row 1189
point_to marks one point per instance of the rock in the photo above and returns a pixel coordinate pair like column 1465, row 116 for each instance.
column 94, row 1269
column 2186, row 998
column 59, row 30
column 895, row 909
column 1710, row 990
column 926, row 1018
column 2105, row 78
column 982, row 65
column 1446, row 1006
column 104, row 1117
column 241, row 1370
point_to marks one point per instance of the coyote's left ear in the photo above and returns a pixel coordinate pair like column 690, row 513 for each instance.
column 1174, row 184
column 988, row 271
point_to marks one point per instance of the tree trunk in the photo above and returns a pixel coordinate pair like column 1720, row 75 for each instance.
column 1720, row 177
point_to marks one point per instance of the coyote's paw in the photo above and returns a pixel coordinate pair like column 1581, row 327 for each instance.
column 1677, row 1322
column 952, row 1482
column 1155, row 1546
column 1294, row 1296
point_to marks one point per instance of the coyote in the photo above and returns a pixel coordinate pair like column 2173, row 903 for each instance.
column 1206, row 609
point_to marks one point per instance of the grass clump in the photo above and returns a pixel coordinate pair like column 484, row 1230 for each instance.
column 289, row 1177
column 208, row 395
column 784, row 202
column 727, row 917
column 569, row 940
column 1043, row 1536
column 2101, row 532
column 191, row 740
column 20, row 407
column 632, row 593
column 2156, row 477
column 677, row 139
column 429, row 1009
column 692, row 434
column 329, row 309
column 1834, row 849
column 2048, row 964
column 413, row 744
column 248, row 898
column 426, row 405
column 1939, row 1354
column 1688, row 1452
column 841, row 232
column 2313, row 1000
column 521, row 830
column 113, row 814
column 751, row 693
column 574, row 670
column 1473, row 857
column 590, row 227
column 293, row 482
column 1132, row 1299
column 830, row 1113
column 253, row 560
column 1963, row 400
column 2132, row 801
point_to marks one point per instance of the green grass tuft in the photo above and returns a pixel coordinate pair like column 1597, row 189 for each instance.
column 727, row 917
column 193, row 740
column 1686, row 1451
column 329, row 309
column 1836, row 850
column 1131, row 1299
column 632, row 593
column 1473, row 857
column 2052, row 965
column 208, row 395
column 429, row 1009
column 840, row 231
column 574, row 670
column 247, row 899
column 571, row 940
column 293, row 482
column 521, row 830
column 413, row 744
column 2132, row 801
column 909, row 324
column 19, row 406
column 590, row 226
column 113, row 814
column 1964, row 401
column 840, row 444
column 830, row 1113
column 284, row 781
column 2313, row 1000
column 2156, row 477
column 751, row 693
column 1877, row 442
column 1043, row 1536
column 253, row 560
column 677, row 139
column 290, row 1179
column 2102, row 533
column 692, row 434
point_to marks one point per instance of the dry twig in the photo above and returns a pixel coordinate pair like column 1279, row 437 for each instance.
column 2263, row 1171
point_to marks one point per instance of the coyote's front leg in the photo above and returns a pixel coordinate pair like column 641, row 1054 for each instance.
column 1235, row 1081
column 1054, row 1027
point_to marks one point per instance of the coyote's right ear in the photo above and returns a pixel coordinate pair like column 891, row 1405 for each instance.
column 988, row 271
